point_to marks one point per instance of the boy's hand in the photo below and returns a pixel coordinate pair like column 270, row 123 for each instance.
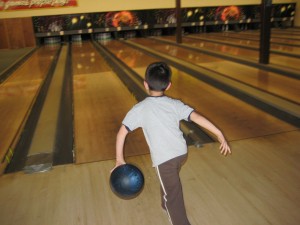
column 118, row 163
column 224, row 147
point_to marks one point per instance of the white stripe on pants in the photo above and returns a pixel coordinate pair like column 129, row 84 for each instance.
column 172, row 196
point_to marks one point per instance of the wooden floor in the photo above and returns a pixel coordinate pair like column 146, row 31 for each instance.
column 267, row 81
column 17, row 94
column 280, row 60
column 9, row 56
column 100, row 103
column 258, row 184
column 246, row 122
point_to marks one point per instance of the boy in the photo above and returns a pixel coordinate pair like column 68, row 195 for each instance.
column 159, row 117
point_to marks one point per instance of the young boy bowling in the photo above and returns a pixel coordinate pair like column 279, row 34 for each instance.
column 159, row 117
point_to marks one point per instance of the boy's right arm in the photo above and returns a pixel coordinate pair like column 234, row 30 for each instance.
column 121, row 136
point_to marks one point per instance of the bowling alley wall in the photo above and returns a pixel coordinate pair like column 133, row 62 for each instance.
column 24, row 25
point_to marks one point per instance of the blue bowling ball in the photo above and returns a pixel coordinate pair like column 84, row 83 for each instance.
column 126, row 181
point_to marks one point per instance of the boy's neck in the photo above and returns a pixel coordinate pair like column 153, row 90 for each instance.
column 156, row 93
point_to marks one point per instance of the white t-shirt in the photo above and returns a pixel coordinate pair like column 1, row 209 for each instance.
column 160, row 117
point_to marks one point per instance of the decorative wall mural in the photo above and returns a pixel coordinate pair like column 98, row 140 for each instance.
column 283, row 10
column 44, row 24
column 193, row 15
column 225, row 13
column 120, row 19
column 163, row 16
column 228, row 13
column 137, row 19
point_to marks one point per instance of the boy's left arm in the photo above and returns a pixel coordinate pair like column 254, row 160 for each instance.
column 205, row 123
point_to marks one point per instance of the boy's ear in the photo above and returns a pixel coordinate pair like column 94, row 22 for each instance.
column 169, row 85
column 146, row 85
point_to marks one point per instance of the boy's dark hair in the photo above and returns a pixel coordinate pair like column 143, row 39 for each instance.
column 158, row 76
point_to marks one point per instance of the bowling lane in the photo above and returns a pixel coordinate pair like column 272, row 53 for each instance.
column 289, row 31
column 232, row 36
column 256, row 33
column 100, row 103
column 289, row 62
column 283, row 35
column 237, row 119
column 8, row 57
column 285, row 87
column 281, row 45
column 18, row 93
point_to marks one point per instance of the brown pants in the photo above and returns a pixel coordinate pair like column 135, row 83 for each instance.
column 171, row 190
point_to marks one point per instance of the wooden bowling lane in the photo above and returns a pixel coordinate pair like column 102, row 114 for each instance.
column 216, row 37
column 289, row 31
column 9, row 58
column 256, row 33
column 285, row 87
column 283, row 35
column 244, row 35
column 280, row 60
column 218, row 106
column 100, row 103
column 276, row 44
column 257, row 184
column 17, row 95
